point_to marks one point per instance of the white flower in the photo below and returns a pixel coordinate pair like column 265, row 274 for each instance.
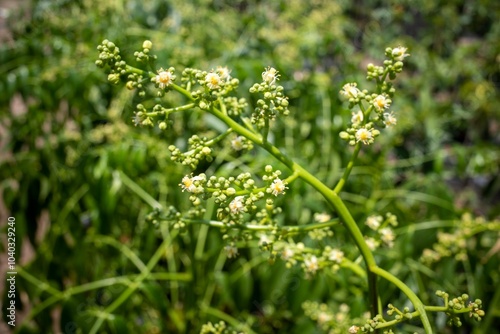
column 213, row 80
column 264, row 239
column 270, row 75
column 237, row 143
column 231, row 251
column 237, row 205
column 387, row 236
column 357, row 118
column 223, row 73
column 336, row 255
column 373, row 222
column 350, row 90
column 365, row 136
column 287, row 253
column 189, row 184
column 322, row 217
column 164, row 78
column 324, row 317
column 381, row 102
column 399, row 53
column 390, row 119
column 344, row 308
column 311, row 264
column 353, row 329
column 371, row 243
column 277, row 187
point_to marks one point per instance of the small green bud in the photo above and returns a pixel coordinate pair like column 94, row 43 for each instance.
column 203, row 105
column 344, row 135
column 162, row 125
column 114, row 78
column 147, row 44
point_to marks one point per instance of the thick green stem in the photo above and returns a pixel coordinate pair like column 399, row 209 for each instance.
column 348, row 169
column 417, row 303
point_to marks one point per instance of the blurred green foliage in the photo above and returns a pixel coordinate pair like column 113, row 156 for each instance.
column 73, row 165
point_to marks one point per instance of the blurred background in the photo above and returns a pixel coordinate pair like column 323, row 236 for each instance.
column 73, row 166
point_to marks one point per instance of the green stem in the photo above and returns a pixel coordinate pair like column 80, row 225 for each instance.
column 58, row 296
column 285, row 229
column 139, row 191
column 133, row 286
column 121, row 247
column 348, row 169
column 265, row 132
column 417, row 303
column 166, row 111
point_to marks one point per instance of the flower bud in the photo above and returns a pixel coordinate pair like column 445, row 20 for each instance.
column 114, row 78
column 344, row 135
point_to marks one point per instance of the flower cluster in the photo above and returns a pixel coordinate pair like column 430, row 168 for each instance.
column 385, row 235
column 328, row 320
column 109, row 55
column 239, row 143
column 136, row 81
column 278, row 186
column 311, row 260
column 459, row 305
column 460, row 241
column 146, row 118
column 363, row 127
column 170, row 215
column 199, row 149
column 399, row 315
column 144, row 55
column 274, row 102
column 320, row 233
column 217, row 328
column 369, row 326
column 235, row 106
column 452, row 309
column 215, row 83
column 237, row 196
